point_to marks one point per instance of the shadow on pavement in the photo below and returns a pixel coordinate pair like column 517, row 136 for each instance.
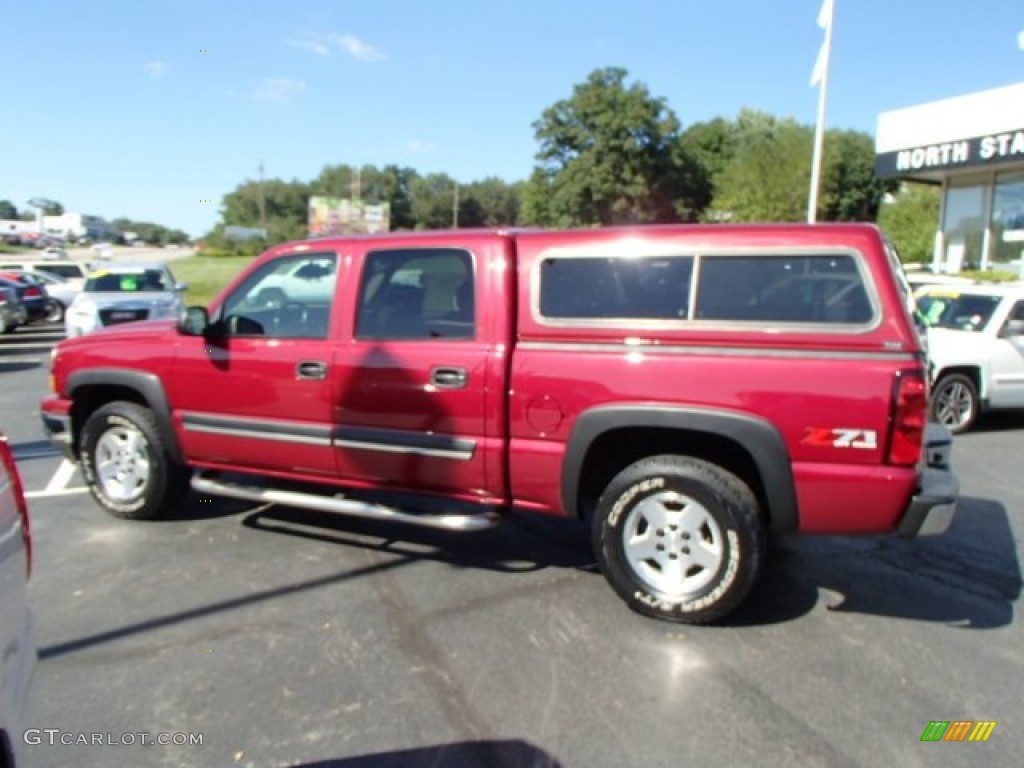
column 6, row 367
column 197, row 506
column 35, row 449
column 521, row 543
column 999, row 421
column 969, row 576
column 464, row 754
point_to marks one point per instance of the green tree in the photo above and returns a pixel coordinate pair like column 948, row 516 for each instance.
column 768, row 176
column 911, row 220
column 286, row 206
column 56, row 209
column 852, row 192
column 433, row 201
column 609, row 155
column 7, row 210
column 490, row 202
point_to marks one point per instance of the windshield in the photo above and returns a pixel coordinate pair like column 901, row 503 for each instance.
column 128, row 282
column 958, row 311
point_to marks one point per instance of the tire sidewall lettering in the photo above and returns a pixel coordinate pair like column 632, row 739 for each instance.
column 625, row 500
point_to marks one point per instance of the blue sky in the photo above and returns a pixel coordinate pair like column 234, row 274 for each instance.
column 144, row 108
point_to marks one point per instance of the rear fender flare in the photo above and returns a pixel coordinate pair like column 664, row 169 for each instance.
column 758, row 437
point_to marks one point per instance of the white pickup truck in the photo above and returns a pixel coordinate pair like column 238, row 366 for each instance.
column 976, row 348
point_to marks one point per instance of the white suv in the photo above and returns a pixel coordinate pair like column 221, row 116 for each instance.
column 976, row 348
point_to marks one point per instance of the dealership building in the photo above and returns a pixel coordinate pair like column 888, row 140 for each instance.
column 973, row 147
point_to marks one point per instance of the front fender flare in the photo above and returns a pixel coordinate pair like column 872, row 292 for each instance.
column 148, row 385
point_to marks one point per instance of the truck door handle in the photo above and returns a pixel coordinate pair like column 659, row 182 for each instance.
column 449, row 378
column 311, row 369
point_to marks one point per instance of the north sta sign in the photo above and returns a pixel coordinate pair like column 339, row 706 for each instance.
column 985, row 150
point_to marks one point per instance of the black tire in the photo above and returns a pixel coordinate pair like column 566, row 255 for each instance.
column 670, row 502
column 54, row 311
column 148, row 483
column 955, row 402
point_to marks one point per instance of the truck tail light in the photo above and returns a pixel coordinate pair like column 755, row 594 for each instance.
column 7, row 458
column 909, row 416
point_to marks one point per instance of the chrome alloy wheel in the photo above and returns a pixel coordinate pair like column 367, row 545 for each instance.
column 673, row 544
column 955, row 404
column 122, row 463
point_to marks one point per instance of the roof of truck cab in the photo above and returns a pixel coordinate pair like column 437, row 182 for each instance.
column 783, row 232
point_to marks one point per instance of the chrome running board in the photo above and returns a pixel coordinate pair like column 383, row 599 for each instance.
column 204, row 483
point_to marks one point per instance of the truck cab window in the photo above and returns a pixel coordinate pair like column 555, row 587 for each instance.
column 288, row 298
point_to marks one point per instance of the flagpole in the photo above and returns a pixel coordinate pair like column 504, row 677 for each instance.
column 819, row 129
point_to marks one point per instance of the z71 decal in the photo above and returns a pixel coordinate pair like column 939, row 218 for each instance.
column 824, row 437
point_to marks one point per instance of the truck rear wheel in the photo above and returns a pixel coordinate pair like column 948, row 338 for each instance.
column 679, row 539
column 126, row 463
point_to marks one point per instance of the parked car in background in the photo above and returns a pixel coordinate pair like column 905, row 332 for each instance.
column 74, row 272
column 32, row 295
column 60, row 292
column 976, row 347
column 17, row 633
column 12, row 311
column 122, row 293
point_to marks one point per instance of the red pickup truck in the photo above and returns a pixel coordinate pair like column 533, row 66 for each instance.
column 687, row 390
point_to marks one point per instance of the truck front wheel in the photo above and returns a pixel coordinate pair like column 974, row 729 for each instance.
column 679, row 539
column 126, row 463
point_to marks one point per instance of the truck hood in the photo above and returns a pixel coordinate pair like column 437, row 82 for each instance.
column 140, row 332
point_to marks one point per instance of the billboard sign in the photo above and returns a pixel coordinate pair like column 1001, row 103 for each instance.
column 343, row 216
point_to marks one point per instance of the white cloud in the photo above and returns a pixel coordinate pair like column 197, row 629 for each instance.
column 418, row 146
column 311, row 44
column 156, row 68
column 356, row 48
column 1020, row 40
column 323, row 45
column 279, row 89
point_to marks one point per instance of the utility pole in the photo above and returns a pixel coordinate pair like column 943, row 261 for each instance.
column 263, row 202
column 455, row 207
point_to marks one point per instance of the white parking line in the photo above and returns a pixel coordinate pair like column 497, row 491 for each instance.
column 61, row 477
column 48, row 494
column 58, row 483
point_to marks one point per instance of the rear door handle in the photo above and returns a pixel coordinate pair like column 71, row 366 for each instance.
column 311, row 369
column 449, row 378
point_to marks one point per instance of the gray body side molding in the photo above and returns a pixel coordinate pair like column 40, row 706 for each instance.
column 759, row 437
column 146, row 384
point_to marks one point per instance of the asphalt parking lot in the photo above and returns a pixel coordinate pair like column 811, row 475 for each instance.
column 284, row 638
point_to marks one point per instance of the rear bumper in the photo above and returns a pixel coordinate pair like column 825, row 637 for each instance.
column 932, row 508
